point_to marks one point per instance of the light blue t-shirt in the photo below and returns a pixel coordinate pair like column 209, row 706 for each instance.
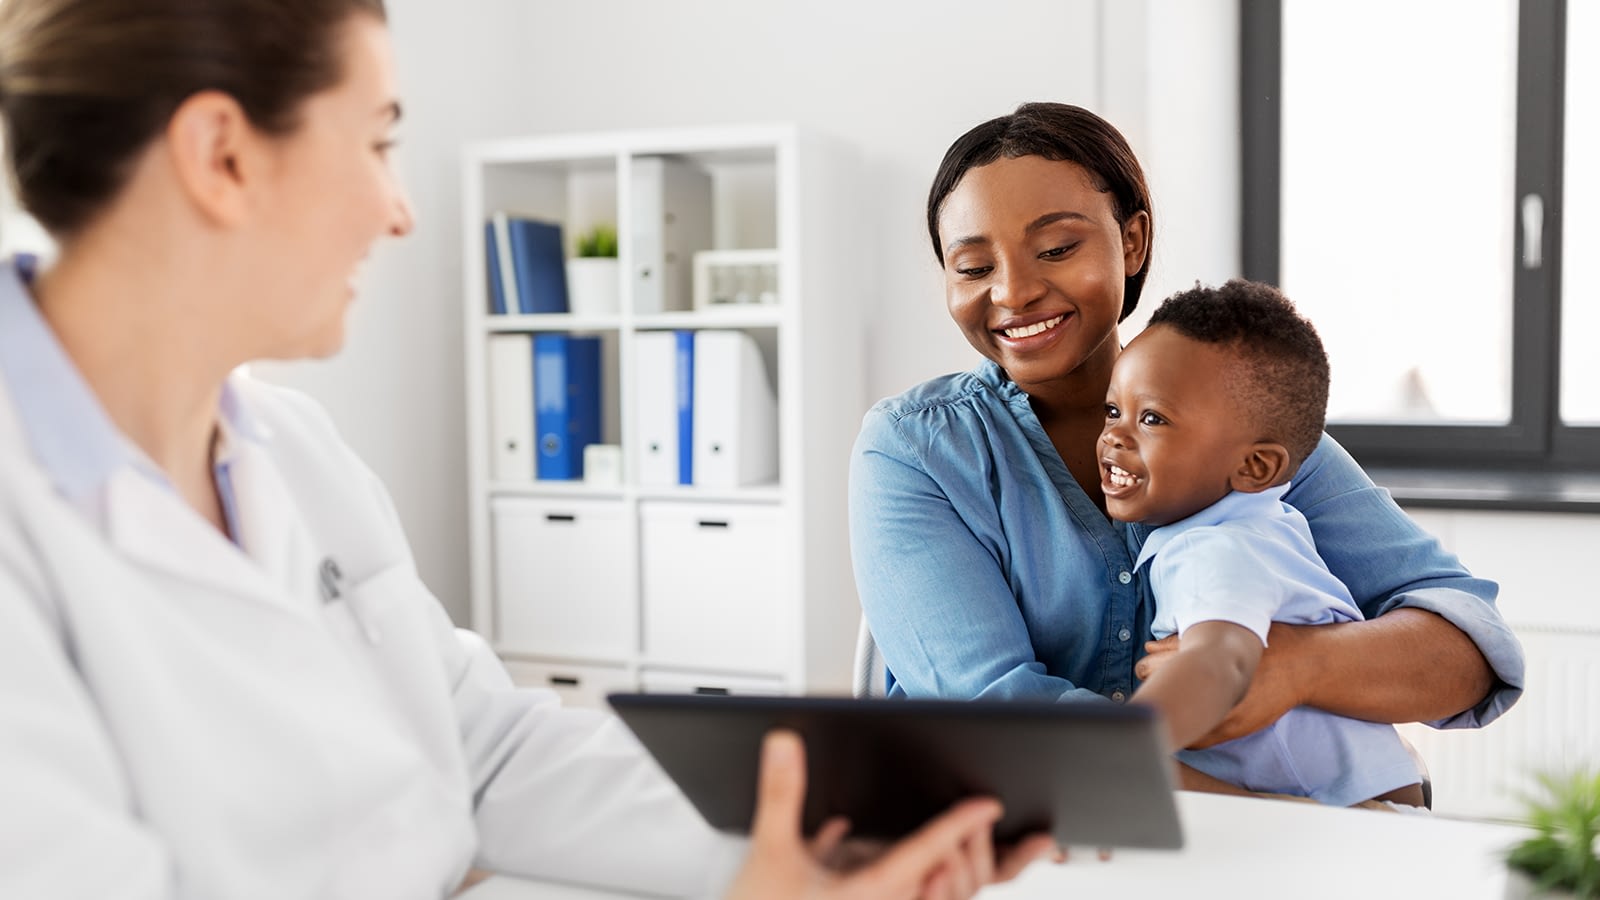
column 1249, row 559
column 985, row 571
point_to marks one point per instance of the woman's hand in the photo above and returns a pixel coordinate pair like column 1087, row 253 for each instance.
column 1274, row 689
column 949, row 858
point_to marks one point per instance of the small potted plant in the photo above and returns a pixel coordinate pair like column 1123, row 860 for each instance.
column 594, row 281
column 1562, row 857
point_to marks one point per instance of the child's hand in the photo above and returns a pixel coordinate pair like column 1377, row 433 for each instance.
column 1273, row 689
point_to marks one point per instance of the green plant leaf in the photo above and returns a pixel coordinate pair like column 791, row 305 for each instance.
column 599, row 241
column 1564, row 851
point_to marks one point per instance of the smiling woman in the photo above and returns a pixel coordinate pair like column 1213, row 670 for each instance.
column 986, row 563
column 220, row 675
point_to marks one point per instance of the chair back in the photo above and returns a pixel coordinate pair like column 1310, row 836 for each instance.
column 870, row 679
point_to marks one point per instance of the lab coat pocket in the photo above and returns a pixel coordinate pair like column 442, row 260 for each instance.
column 396, row 626
column 389, row 604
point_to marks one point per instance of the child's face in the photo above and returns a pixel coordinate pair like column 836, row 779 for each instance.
column 1173, row 436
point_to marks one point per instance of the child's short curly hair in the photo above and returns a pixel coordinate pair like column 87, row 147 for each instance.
column 1283, row 384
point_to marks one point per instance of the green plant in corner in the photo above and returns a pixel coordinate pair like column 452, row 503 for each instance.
column 599, row 241
column 1564, row 852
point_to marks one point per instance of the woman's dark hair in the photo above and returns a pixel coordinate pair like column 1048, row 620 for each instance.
column 1064, row 133
column 85, row 85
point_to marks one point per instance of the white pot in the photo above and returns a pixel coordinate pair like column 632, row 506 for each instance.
column 594, row 286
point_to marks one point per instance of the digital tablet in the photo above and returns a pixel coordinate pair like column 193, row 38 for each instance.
column 1090, row 774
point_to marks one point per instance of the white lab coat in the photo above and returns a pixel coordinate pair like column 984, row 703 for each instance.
column 180, row 719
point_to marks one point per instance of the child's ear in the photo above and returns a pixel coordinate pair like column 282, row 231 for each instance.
column 1265, row 464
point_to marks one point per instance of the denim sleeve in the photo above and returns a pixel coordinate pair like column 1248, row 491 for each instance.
column 933, row 592
column 1389, row 562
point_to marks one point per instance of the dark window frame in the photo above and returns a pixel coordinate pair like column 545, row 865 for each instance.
column 1535, row 438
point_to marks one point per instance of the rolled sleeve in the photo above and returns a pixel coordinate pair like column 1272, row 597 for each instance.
column 1480, row 620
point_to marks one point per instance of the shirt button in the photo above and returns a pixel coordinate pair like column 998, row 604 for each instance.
column 1124, row 634
column 1124, row 577
column 1118, row 696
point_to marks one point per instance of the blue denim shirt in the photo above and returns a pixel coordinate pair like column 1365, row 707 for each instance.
column 985, row 571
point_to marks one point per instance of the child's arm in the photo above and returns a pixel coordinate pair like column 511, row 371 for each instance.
column 1207, row 677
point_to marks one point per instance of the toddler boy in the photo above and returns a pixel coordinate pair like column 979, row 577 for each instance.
column 1210, row 412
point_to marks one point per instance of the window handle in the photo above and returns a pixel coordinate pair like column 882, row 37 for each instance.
column 1532, row 231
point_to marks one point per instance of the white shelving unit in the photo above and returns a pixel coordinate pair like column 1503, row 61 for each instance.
column 590, row 588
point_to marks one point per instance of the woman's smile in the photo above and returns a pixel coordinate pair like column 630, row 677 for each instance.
column 1022, row 336
column 1018, row 332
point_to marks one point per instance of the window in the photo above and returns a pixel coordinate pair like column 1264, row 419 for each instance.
column 1580, row 228
column 1404, row 183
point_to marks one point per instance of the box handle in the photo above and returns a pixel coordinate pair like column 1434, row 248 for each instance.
column 560, row 517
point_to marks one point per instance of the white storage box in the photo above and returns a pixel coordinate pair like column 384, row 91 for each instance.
column 714, row 577
column 563, row 583
column 654, row 681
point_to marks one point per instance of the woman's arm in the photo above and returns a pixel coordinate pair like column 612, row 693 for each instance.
column 67, row 823
column 1434, row 647
column 931, row 582
column 1408, row 666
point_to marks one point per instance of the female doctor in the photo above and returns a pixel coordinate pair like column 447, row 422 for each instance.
column 220, row 675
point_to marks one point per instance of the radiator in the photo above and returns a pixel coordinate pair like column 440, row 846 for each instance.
column 1555, row 727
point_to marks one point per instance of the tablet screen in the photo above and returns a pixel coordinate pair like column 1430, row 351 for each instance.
column 1091, row 774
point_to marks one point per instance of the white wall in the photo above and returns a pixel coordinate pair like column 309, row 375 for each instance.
column 899, row 81
column 1172, row 87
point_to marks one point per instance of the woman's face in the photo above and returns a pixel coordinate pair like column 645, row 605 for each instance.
column 330, row 194
column 1034, row 266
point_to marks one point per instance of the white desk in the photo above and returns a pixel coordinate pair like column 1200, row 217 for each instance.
column 1238, row 847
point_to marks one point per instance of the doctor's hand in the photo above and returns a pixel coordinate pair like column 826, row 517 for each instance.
column 1274, row 689
column 949, row 858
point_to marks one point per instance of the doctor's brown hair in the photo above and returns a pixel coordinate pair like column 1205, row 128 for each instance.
column 1064, row 133
column 86, row 85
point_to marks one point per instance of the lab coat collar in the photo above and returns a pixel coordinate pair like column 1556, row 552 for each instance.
column 235, row 415
column 153, row 528
column 270, row 558
column 61, row 422
column 268, row 521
